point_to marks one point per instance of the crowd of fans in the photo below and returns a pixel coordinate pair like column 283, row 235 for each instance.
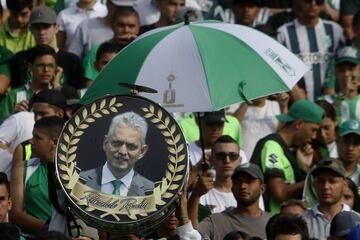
column 279, row 167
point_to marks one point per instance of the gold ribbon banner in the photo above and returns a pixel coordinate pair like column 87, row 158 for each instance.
column 112, row 204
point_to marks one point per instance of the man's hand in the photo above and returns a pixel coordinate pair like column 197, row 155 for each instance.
column 305, row 157
column 283, row 100
column 22, row 106
column 204, row 183
column 55, row 83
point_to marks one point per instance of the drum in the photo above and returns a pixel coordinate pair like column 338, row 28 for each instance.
column 121, row 162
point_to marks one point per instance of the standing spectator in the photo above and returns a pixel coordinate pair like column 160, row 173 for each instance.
column 168, row 9
column 247, row 187
column 315, row 41
column 32, row 207
column 42, row 65
column 5, row 199
column 249, row 13
column 285, row 177
column 258, row 119
column 69, row 19
column 93, row 31
column 15, row 34
column 126, row 27
column 293, row 206
column 329, row 185
column 44, row 28
column 216, row 194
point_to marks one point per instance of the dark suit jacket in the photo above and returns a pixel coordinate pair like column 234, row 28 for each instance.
column 139, row 184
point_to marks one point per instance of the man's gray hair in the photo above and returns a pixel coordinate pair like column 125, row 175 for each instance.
column 130, row 120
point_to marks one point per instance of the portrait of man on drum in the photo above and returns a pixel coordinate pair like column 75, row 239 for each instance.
column 124, row 145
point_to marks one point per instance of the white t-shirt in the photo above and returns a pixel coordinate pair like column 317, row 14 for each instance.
column 195, row 154
column 218, row 201
column 257, row 123
column 69, row 18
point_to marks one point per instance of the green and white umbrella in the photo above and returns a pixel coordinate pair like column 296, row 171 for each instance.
column 201, row 66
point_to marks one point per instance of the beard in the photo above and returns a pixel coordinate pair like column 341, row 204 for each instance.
column 253, row 198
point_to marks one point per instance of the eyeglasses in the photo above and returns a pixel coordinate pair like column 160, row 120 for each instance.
column 233, row 156
column 318, row 2
column 45, row 65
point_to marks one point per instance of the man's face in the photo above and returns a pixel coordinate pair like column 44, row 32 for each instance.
column 246, row 189
column 41, row 143
column 168, row 9
column 329, row 187
column 42, row 110
column 225, row 158
column 124, row 148
column 246, row 12
column 5, row 203
column 43, row 69
column 306, row 132
column 126, row 29
column 308, row 8
column 346, row 76
column 105, row 58
column 349, row 148
column 212, row 131
column 44, row 33
column 20, row 19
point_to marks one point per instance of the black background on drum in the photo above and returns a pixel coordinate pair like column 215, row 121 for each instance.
column 90, row 152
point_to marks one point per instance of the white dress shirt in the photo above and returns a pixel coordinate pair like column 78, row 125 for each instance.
column 107, row 179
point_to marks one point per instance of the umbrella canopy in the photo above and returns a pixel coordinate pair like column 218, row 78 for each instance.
column 201, row 66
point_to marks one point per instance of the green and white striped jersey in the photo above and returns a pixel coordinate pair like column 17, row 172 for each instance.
column 315, row 46
column 346, row 108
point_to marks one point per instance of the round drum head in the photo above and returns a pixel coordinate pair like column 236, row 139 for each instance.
column 122, row 161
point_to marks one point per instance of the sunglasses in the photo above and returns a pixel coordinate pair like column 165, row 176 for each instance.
column 318, row 2
column 233, row 156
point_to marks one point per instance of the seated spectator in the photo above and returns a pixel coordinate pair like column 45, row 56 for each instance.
column 15, row 34
column 247, row 187
column 342, row 224
column 288, row 227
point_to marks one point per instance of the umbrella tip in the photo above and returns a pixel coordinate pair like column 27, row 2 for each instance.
column 186, row 19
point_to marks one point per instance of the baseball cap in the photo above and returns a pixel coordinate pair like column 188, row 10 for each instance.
column 343, row 222
column 70, row 94
column 304, row 110
column 348, row 54
column 214, row 117
column 349, row 126
column 43, row 14
column 49, row 96
column 332, row 164
column 251, row 169
column 123, row 3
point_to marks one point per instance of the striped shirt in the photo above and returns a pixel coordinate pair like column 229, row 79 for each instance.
column 315, row 46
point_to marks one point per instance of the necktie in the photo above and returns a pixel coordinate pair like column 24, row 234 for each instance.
column 116, row 184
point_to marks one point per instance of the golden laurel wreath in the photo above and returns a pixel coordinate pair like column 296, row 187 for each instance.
column 75, row 130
